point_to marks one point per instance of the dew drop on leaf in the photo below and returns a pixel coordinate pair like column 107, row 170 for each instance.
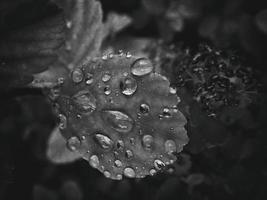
column 84, row 101
column 141, row 67
column 118, row 163
column 144, row 108
column 104, row 141
column 129, row 153
column 170, row 146
column 129, row 172
column 73, row 143
column 158, row 164
column 119, row 121
column 128, row 86
column 107, row 174
column 147, row 142
column 62, row 121
column 77, row 75
column 94, row 161
column 106, row 77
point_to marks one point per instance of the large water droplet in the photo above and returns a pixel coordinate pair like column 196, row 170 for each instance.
column 141, row 67
column 170, row 146
column 73, row 143
column 84, row 101
column 106, row 77
column 89, row 79
column 118, row 163
column 158, row 164
column 129, row 154
column 147, row 141
column 129, row 172
column 144, row 108
column 118, row 120
column 173, row 90
column 94, row 161
column 77, row 75
column 104, row 141
column 107, row 174
column 128, row 86
column 62, row 121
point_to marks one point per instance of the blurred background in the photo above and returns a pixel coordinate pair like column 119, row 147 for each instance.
column 226, row 157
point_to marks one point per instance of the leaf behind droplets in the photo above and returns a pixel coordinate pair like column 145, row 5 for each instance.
column 57, row 151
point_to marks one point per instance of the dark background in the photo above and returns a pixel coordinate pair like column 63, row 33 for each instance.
column 233, row 168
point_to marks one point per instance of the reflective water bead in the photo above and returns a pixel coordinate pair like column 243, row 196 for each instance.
column 147, row 141
column 129, row 153
column 152, row 172
column 107, row 174
column 158, row 164
column 84, row 101
column 94, row 161
column 89, row 79
column 73, row 143
column 104, row 141
column 118, row 120
column 144, row 108
column 128, row 86
column 107, row 90
column 173, row 90
column 62, row 121
column 77, row 75
column 170, row 146
column 129, row 172
column 118, row 163
column 141, row 67
column 106, row 77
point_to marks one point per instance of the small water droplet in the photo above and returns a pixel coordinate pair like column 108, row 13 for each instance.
column 166, row 113
column 173, row 90
column 129, row 153
column 141, row 67
column 144, row 108
column 107, row 174
column 68, row 24
column 128, row 86
column 129, row 172
column 158, row 164
column 147, row 141
column 111, row 55
column 106, row 77
column 73, row 143
column 104, row 57
column 107, row 90
column 89, row 78
column 120, row 144
column 60, row 81
column 94, row 161
column 128, row 55
column 119, row 177
column 170, row 146
column 119, row 121
column 120, row 52
column 77, row 75
column 104, row 141
column 84, row 101
column 118, row 163
column 132, row 141
column 152, row 172
column 62, row 121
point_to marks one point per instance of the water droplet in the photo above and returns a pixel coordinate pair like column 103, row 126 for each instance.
column 128, row 55
column 106, row 77
column 129, row 153
column 129, row 172
column 104, row 57
column 60, row 81
column 132, row 141
column 118, row 120
column 107, row 90
column 68, row 24
column 173, row 90
column 111, row 55
column 128, row 86
column 73, row 143
column 118, row 163
column 89, row 79
column 84, row 101
column 141, row 67
column 152, row 172
column 120, row 144
column 144, row 108
column 107, row 174
column 147, row 141
column 159, row 165
column 77, row 75
column 62, row 121
column 119, row 177
column 166, row 113
column 170, row 146
column 120, row 52
column 94, row 161
column 104, row 141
